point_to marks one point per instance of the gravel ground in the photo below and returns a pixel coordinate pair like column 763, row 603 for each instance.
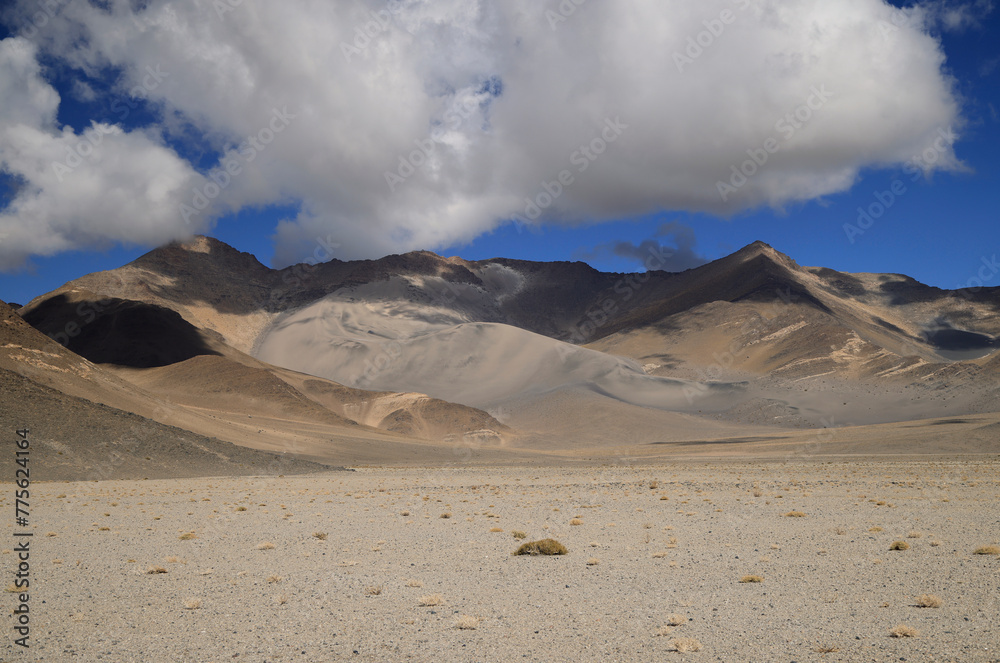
column 679, row 547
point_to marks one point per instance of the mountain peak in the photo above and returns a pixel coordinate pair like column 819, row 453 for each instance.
column 201, row 249
column 204, row 244
column 760, row 249
column 755, row 249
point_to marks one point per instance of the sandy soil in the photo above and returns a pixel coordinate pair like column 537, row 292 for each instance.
column 643, row 552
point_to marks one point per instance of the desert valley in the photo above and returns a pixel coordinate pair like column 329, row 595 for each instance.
column 749, row 460
column 487, row 331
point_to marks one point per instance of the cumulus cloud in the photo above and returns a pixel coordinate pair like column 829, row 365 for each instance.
column 415, row 124
column 81, row 190
column 676, row 256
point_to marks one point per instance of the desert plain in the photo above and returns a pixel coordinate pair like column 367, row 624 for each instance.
column 416, row 564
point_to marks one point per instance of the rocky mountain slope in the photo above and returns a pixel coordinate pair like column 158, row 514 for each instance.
column 515, row 352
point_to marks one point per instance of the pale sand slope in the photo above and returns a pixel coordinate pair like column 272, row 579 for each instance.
column 681, row 547
column 377, row 336
column 394, row 347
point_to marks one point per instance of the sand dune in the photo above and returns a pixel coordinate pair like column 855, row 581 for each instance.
column 479, row 364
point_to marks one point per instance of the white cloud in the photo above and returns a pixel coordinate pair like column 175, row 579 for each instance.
column 79, row 190
column 84, row 91
column 428, row 73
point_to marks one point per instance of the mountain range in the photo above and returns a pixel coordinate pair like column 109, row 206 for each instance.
column 418, row 358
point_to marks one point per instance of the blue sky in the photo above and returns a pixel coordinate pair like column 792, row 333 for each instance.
column 937, row 229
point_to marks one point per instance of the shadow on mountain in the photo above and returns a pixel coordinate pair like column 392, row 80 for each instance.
column 959, row 344
column 119, row 331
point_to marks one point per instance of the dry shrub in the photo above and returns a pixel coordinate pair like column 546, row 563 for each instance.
column 899, row 545
column 752, row 579
column 684, row 645
column 430, row 600
column 826, row 649
column 445, row 515
column 518, row 534
column 414, row 583
column 155, row 569
column 987, row 550
column 876, row 528
column 576, row 521
column 373, row 591
column 795, row 514
column 466, row 622
column 265, row 545
column 542, row 547
column 496, row 529
column 676, row 619
column 320, row 535
column 914, row 535
column 192, row 604
column 593, row 561
column 904, row 631
column 928, row 601
column 187, row 536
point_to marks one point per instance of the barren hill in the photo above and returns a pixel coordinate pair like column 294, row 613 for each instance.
column 433, row 348
column 86, row 424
